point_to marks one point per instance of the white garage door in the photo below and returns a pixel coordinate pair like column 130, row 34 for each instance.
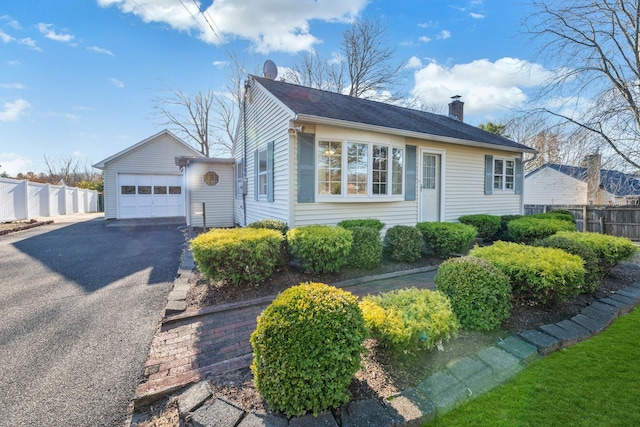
column 147, row 196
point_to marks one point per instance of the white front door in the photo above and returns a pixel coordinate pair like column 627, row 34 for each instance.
column 430, row 202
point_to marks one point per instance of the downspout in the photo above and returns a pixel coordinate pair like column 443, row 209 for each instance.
column 245, row 181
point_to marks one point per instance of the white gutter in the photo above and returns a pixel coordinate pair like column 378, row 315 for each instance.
column 408, row 133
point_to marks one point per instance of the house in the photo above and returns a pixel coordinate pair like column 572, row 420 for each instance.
column 307, row 156
column 162, row 176
column 554, row 184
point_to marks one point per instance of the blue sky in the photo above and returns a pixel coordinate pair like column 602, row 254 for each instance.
column 78, row 77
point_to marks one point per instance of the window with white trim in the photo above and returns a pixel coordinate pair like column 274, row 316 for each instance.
column 359, row 169
column 503, row 174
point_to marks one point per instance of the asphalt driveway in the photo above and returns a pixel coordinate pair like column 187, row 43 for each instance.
column 79, row 304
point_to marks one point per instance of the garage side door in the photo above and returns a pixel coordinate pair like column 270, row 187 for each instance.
column 148, row 196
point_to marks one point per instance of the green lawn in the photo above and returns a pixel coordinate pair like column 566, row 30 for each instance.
column 594, row 383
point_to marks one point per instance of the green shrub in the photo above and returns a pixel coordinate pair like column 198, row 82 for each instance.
column 366, row 250
column 610, row 250
column 369, row 222
column 488, row 226
column 593, row 272
column 271, row 224
column 410, row 318
column 562, row 215
column 539, row 275
column 444, row 239
column 528, row 229
column 306, row 348
column 503, row 234
column 320, row 248
column 237, row 255
column 403, row 243
column 480, row 294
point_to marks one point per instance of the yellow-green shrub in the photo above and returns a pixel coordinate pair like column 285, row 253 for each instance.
column 480, row 293
column 237, row 255
column 366, row 250
column 409, row 318
column 307, row 347
column 320, row 248
column 541, row 275
column 610, row 249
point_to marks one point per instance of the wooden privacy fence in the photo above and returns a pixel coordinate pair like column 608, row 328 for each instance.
column 623, row 221
column 21, row 199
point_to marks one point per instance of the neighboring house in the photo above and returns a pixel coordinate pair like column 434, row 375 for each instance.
column 162, row 176
column 553, row 184
column 307, row 156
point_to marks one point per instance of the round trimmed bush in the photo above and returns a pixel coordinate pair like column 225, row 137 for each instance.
column 237, row 255
column 480, row 294
column 307, row 347
column 408, row 319
column 403, row 243
column 503, row 234
column 593, row 273
column 488, row 226
column 611, row 250
column 320, row 248
column 366, row 250
column 444, row 239
column 529, row 229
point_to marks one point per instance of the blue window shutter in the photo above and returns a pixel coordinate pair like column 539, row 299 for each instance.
column 488, row 174
column 256, row 169
column 270, row 160
column 306, row 168
column 519, row 178
column 410, row 179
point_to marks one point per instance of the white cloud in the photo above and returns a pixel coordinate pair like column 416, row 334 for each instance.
column 424, row 39
column 11, row 22
column 30, row 43
column 11, row 111
column 444, row 34
column 117, row 83
column 13, row 163
column 428, row 24
column 47, row 30
column 14, row 62
column 476, row 15
column 220, row 64
column 270, row 25
column 413, row 62
column 6, row 38
column 100, row 50
column 12, row 86
column 484, row 85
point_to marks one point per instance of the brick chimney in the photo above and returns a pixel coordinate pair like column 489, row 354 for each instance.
column 456, row 108
column 594, row 163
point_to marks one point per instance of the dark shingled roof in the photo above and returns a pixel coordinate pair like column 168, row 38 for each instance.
column 617, row 183
column 320, row 103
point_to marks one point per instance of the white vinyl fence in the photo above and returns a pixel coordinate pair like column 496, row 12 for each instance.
column 25, row 199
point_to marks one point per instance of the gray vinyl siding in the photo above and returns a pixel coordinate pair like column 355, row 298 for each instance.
column 267, row 121
column 156, row 157
column 218, row 199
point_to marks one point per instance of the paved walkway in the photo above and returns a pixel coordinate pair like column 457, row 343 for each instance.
column 215, row 340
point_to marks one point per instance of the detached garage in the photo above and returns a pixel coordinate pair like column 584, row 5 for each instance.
column 143, row 181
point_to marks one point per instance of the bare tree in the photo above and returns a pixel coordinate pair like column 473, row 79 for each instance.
column 596, row 49
column 207, row 118
column 363, row 67
column 65, row 170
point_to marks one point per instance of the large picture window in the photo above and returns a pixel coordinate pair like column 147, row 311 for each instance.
column 359, row 169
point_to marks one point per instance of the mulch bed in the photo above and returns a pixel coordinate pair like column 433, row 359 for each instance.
column 13, row 226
